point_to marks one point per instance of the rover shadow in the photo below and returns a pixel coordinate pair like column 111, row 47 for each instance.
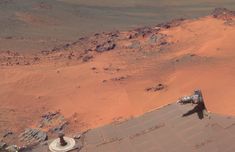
column 199, row 108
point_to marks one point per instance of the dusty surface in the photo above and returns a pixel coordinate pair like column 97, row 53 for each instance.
column 164, row 130
column 106, row 77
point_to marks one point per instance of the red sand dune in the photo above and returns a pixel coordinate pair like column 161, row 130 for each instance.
column 112, row 85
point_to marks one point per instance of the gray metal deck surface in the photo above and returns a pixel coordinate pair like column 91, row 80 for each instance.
column 164, row 130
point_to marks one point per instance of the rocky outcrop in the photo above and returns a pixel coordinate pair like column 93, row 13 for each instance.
column 172, row 23
column 31, row 135
column 223, row 13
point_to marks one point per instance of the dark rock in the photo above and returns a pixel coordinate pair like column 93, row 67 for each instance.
column 46, row 118
column 86, row 58
column 106, row 69
column 59, row 128
column 159, row 39
column 7, row 133
column 187, row 58
column 132, row 35
column 9, row 37
column 88, row 50
column 93, row 68
column 119, row 78
column 96, row 34
column 104, row 81
column 82, row 38
column 156, row 88
column 107, row 46
column 55, row 49
column 54, row 122
column 143, row 31
column 163, row 43
column 28, row 148
column 44, row 5
column 172, row 23
column 229, row 22
column 36, row 58
column 153, row 38
column 71, row 54
column 61, row 47
column 223, row 13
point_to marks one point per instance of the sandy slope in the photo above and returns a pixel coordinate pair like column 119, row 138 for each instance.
column 199, row 54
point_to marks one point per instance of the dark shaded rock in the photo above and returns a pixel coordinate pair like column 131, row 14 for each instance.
column 55, row 49
column 190, row 58
column 143, row 31
column 48, row 117
column 156, row 88
column 7, row 133
column 229, row 22
column 70, row 55
column 153, row 38
column 44, row 5
column 53, row 122
column 107, row 46
column 104, row 81
column 93, row 68
column 86, row 58
column 82, row 38
column 223, row 13
column 119, row 78
column 163, row 43
column 59, row 128
column 28, row 148
column 129, row 36
column 106, row 69
column 158, row 39
column 9, row 37
column 36, row 58
column 172, row 23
